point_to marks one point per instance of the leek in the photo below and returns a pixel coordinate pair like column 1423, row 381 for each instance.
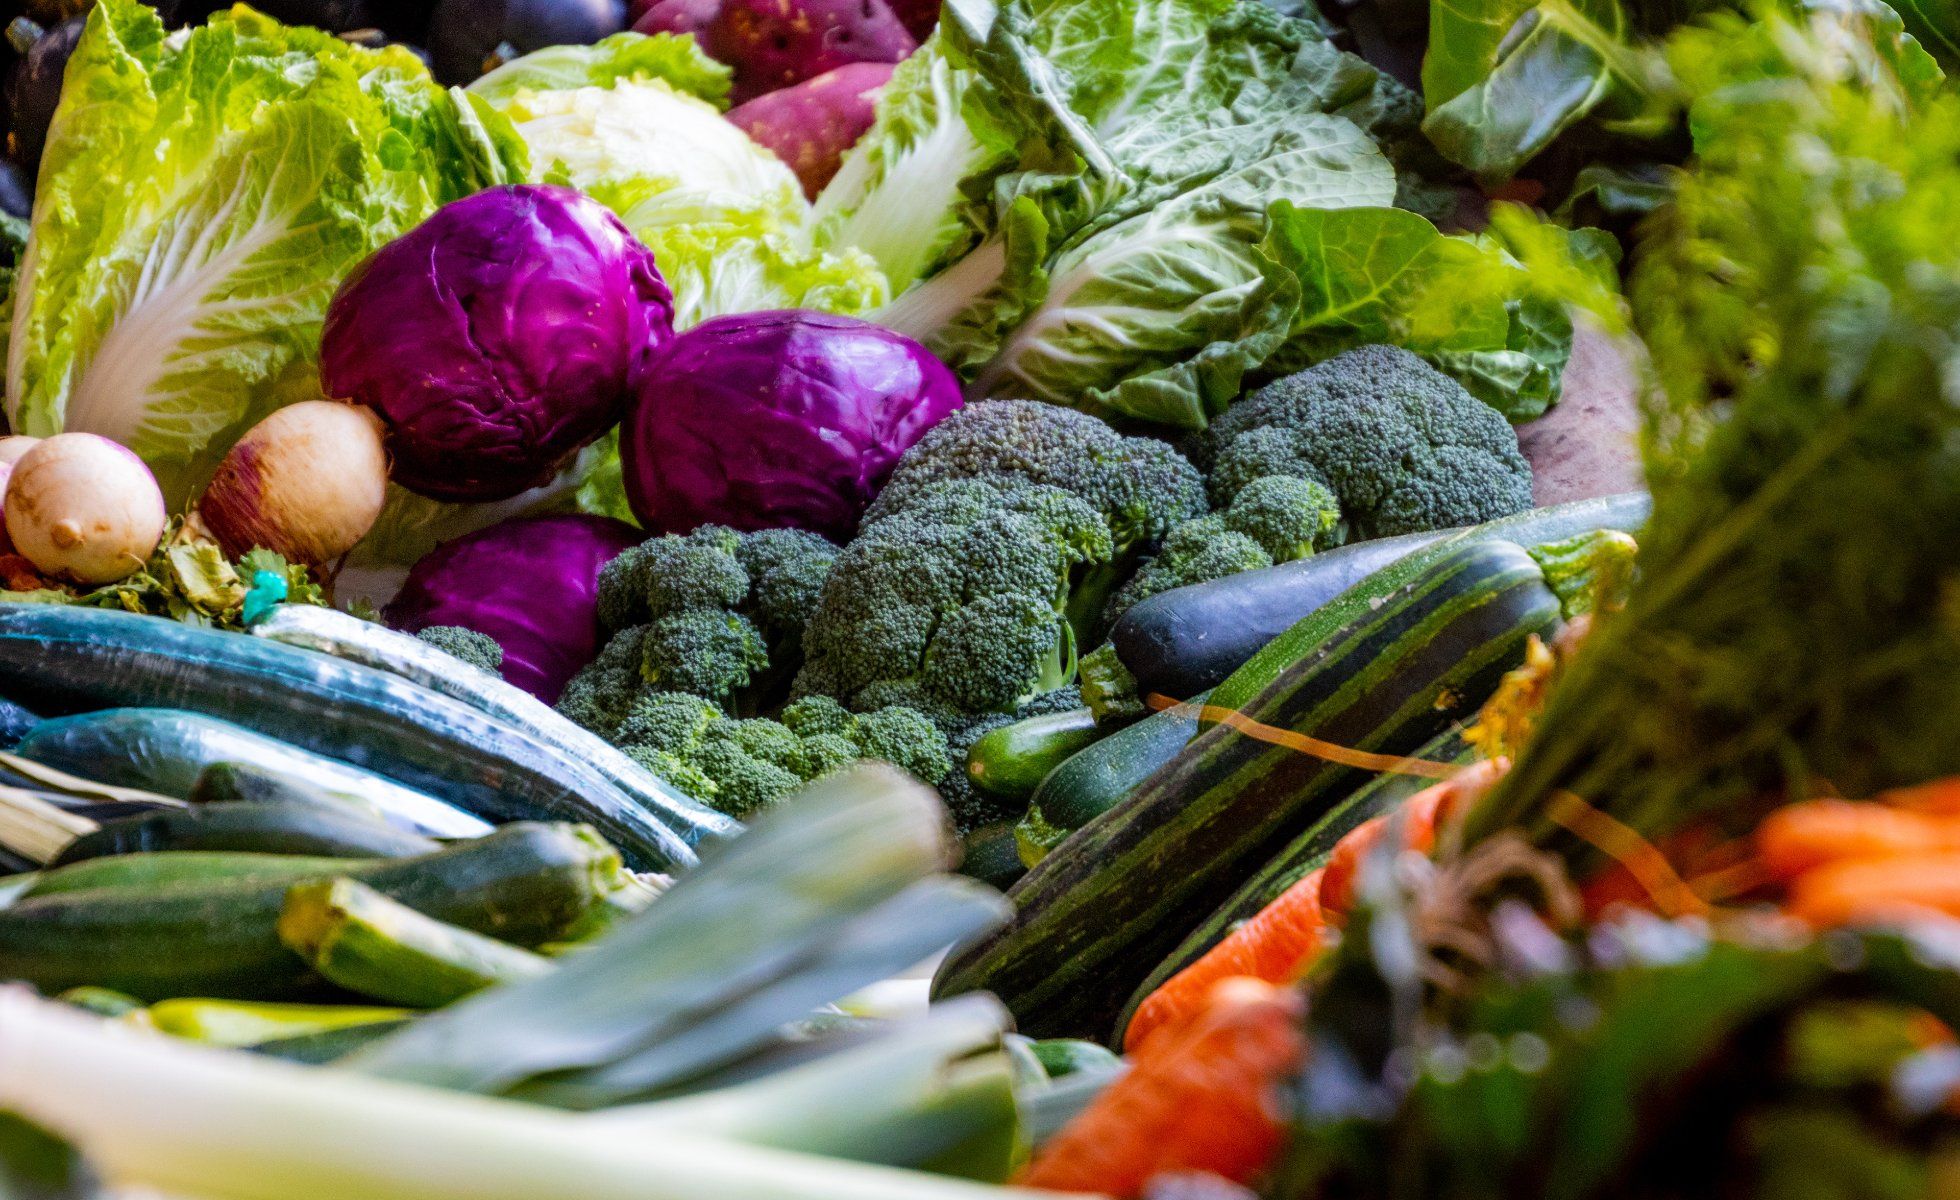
column 190, row 1120
column 792, row 915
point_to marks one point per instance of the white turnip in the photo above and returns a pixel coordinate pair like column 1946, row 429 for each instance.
column 307, row 482
column 84, row 509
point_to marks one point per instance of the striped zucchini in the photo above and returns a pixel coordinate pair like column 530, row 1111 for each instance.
column 1105, row 907
column 1301, row 856
column 58, row 658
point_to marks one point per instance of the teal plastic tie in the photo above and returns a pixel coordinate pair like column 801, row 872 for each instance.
column 268, row 592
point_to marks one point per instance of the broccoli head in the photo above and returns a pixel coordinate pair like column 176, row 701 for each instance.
column 479, row 650
column 988, row 556
column 961, row 597
column 1140, row 486
column 1402, row 446
column 739, row 766
column 714, row 612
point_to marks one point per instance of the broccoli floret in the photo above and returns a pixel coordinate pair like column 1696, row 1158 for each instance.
column 706, row 651
column 717, row 613
column 739, row 766
column 1403, row 447
column 599, row 696
column 1139, row 485
column 786, row 570
column 479, row 650
column 906, row 739
column 988, row 558
column 1289, row 516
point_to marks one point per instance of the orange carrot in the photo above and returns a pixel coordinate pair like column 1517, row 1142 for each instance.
column 1800, row 837
column 1282, row 938
column 1202, row 1097
column 1866, row 890
column 1420, row 815
column 1941, row 796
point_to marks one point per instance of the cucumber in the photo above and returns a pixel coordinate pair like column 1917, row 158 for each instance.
column 380, row 948
column 251, row 826
column 331, row 632
column 168, row 750
column 163, row 868
column 1181, row 642
column 1301, row 856
column 1010, row 762
column 1095, row 917
column 62, row 658
column 1099, row 777
column 525, row 883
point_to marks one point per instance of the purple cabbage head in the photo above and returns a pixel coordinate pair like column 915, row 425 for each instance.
column 777, row 419
column 497, row 338
column 530, row 584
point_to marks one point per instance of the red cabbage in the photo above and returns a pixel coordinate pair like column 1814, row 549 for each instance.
column 497, row 338
column 777, row 419
column 530, row 584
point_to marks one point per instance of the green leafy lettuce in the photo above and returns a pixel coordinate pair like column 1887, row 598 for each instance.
column 201, row 197
column 627, row 123
column 1151, row 195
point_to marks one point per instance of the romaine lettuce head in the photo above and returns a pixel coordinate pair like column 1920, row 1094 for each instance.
column 200, row 198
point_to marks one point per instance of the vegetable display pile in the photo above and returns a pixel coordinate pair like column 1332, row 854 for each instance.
column 821, row 599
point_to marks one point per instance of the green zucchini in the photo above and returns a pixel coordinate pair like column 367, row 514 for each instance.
column 1097, row 778
column 1181, row 642
column 101, row 1001
column 328, row 631
column 251, row 826
column 170, row 751
column 167, row 868
column 1010, row 762
column 1093, row 919
column 1301, row 856
column 63, row 658
column 377, row 947
column 525, row 883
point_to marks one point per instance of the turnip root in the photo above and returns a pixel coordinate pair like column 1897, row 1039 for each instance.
column 82, row 508
column 307, row 482
column 772, row 44
column 811, row 125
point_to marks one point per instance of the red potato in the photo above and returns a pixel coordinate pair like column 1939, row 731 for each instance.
column 812, row 125
column 772, row 44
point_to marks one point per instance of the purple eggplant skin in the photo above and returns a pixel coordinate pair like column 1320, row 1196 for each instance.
column 813, row 124
column 774, row 44
column 530, row 584
column 34, row 89
column 465, row 37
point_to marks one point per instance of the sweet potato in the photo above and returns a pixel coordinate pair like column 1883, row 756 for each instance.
column 772, row 44
column 812, row 124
